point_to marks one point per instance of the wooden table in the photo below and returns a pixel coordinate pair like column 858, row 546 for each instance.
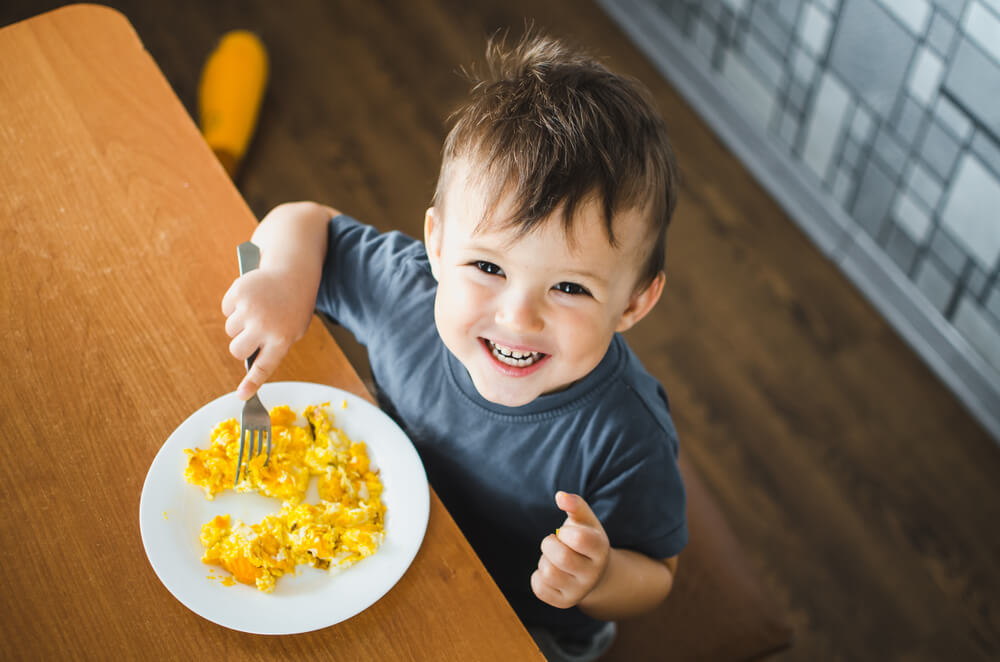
column 118, row 231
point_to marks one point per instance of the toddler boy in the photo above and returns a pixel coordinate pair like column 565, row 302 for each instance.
column 496, row 342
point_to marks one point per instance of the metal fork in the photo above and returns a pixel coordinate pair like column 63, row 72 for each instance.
column 255, row 424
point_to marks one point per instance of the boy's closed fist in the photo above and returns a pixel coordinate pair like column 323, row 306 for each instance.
column 262, row 312
column 574, row 558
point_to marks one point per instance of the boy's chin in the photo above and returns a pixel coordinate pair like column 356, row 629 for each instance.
column 516, row 397
column 506, row 400
column 504, row 397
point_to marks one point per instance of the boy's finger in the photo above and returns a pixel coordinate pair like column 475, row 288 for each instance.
column 229, row 300
column 552, row 575
column 548, row 593
column 577, row 509
column 584, row 540
column 246, row 389
column 242, row 345
column 261, row 369
column 264, row 365
column 234, row 325
column 563, row 556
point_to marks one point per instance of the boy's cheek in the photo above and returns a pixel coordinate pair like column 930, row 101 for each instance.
column 454, row 314
column 462, row 297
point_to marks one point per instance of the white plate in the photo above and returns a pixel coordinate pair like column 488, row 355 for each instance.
column 172, row 511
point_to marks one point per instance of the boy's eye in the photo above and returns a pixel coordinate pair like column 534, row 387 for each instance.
column 489, row 268
column 571, row 288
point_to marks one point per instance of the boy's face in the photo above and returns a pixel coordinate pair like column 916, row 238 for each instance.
column 532, row 315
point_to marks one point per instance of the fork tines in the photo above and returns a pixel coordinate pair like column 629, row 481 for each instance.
column 255, row 436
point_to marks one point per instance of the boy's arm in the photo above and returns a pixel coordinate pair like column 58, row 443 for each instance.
column 578, row 567
column 271, row 307
column 632, row 584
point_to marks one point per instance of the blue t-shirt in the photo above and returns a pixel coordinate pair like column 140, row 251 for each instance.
column 608, row 437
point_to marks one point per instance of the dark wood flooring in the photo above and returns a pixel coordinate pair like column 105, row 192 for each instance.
column 867, row 498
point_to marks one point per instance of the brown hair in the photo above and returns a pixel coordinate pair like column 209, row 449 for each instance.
column 555, row 128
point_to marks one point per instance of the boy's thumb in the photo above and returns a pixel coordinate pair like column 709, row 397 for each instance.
column 576, row 508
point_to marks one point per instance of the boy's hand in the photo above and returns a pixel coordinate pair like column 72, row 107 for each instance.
column 574, row 558
column 264, row 310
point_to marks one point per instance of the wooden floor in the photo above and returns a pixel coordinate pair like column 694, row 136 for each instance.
column 867, row 498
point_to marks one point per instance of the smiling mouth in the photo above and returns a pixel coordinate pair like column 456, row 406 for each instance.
column 512, row 357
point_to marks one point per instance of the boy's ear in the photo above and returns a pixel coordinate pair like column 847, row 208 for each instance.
column 641, row 303
column 432, row 239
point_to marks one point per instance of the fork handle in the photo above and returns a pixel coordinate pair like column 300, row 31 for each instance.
column 248, row 255
column 252, row 358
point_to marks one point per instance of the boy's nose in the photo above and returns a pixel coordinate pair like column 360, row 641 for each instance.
column 520, row 313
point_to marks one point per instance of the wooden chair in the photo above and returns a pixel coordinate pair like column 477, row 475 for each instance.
column 717, row 610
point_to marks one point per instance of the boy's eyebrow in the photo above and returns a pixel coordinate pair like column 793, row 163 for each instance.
column 587, row 275
column 483, row 247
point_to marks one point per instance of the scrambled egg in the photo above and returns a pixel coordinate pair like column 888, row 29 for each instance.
column 346, row 526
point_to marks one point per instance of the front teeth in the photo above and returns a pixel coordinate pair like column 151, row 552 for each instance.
column 513, row 357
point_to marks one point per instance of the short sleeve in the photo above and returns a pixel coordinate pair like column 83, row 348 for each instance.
column 641, row 500
column 366, row 274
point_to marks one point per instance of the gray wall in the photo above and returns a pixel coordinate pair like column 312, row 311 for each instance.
column 890, row 112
